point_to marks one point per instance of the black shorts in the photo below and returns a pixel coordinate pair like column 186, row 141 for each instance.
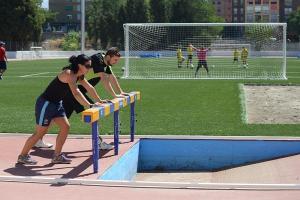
column 202, row 63
column 70, row 104
column 3, row 65
column 190, row 57
column 45, row 111
column 235, row 59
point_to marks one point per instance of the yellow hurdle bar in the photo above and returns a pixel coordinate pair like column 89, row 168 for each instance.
column 93, row 114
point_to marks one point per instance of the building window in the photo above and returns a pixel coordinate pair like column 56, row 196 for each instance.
column 250, row 8
column 68, row 7
column 288, row 3
column 249, row 18
column 265, row 1
column 257, row 8
column 288, row 10
column 69, row 17
column 265, row 9
column 274, row 18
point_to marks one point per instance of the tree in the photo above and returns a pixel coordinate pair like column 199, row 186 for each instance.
column 260, row 36
column 106, row 18
column 294, row 26
column 121, row 21
column 137, row 11
column 159, row 11
column 196, row 11
column 21, row 22
column 94, row 17
column 71, row 41
column 103, row 22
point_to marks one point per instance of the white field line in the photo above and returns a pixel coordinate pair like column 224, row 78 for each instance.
column 292, row 76
column 294, row 72
column 242, row 96
column 28, row 75
column 146, row 184
column 189, row 137
column 39, row 76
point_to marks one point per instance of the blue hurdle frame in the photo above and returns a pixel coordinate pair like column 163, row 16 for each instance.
column 96, row 125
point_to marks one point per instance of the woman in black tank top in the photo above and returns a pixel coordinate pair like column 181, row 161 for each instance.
column 49, row 107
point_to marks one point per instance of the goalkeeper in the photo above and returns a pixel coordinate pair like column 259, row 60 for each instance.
column 202, row 59
column 180, row 57
column 244, row 57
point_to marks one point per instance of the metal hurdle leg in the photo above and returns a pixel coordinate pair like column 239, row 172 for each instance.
column 95, row 145
column 116, row 131
column 132, row 121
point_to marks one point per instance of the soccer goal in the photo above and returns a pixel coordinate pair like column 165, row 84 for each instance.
column 229, row 50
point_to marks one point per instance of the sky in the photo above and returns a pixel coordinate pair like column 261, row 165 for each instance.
column 45, row 4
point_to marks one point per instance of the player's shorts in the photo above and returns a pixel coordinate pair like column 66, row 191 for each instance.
column 180, row 59
column 45, row 111
column 3, row 65
column 202, row 63
column 244, row 58
column 71, row 104
column 235, row 59
column 190, row 57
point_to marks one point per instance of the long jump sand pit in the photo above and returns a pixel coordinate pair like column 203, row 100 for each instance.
column 277, row 104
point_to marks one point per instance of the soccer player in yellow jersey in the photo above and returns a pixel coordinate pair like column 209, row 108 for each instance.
column 180, row 57
column 244, row 57
column 190, row 50
column 236, row 54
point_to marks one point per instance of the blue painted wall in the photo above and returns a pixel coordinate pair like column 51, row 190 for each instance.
column 209, row 155
column 125, row 168
column 196, row 155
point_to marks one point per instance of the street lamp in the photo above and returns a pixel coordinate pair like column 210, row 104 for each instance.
column 82, row 25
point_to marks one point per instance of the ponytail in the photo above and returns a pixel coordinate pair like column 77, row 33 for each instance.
column 75, row 61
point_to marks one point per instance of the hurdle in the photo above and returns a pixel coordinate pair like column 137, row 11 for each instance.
column 92, row 116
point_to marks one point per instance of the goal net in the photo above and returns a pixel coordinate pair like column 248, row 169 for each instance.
column 219, row 51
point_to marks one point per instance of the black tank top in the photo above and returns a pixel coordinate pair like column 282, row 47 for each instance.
column 56, row 91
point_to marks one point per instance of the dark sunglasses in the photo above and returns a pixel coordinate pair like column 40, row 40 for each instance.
column 88, row 66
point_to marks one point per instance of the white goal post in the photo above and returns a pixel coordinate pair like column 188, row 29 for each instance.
column 160, row 51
